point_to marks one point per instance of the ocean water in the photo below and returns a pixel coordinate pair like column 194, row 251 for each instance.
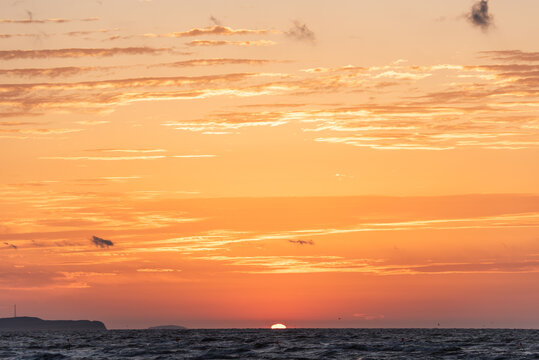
column 273, row 344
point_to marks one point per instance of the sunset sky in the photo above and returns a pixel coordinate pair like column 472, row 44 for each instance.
column 240, row 163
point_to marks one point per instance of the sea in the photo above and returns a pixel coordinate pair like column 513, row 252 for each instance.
column 273, row 344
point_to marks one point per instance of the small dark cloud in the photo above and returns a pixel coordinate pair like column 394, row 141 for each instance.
column 479, row 15
column 301, row 32
column 302, row 242
column 102, row 243
column 11, row 246
column 215, row 21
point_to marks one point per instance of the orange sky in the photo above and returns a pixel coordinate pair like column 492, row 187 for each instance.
column 241, row 164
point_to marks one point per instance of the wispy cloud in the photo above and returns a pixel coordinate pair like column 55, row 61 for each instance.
column 213, row 30
column 104, row 158
column 219, row 61
column 225, row 122
column 220, row 241
column 381, row 267
column 27, row 35
column 80, row 52
column 51, row 72
column 512, row 55
column 490, row 106
column 128, row 150
column 194, row 156
column 368, row 316
column 95, row 96
column 66, row 71
column 226, row 42
column 31, row 20
column 156, row 270
column 38, row 131
column 78, row 34
column 129, row 82
column 123, row 158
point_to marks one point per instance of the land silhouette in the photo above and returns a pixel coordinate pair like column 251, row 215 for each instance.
column 25, row 323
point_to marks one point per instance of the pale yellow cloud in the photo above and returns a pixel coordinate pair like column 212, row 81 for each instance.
column 213, row 30
column 227, row 42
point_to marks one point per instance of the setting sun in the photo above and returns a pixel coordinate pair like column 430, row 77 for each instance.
column 278, row 326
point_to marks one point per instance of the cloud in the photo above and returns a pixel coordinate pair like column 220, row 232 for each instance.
column 122, row 158
column 50, row 72
column 126, row 83
column 104, row 158
column 88, row 32
column 128, row 150
column 490, row 106
column 224, row 122
column 368, row 316
column 212, row 62
column 17, row 114
column 511, row 55
column 158, row 270
column 326, row 264
column 302, row 242
column 38, row 131
column 226, row 42
column 31, row 20
column 193, row 156
column 34, row 183
column 215, row 21
column 79, row 52
column 102, row 243
column 10, row 246
column 213, row 30
column 301, row 32
column 100, row 96
column 479, row 15
column 9, row 36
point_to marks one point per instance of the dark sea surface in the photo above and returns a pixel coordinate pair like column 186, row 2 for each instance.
column 273, row 344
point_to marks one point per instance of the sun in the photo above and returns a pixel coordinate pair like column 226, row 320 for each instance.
column 278, row 326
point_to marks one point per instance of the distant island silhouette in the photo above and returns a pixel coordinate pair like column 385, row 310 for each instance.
column 167, row 327
column 25, row 323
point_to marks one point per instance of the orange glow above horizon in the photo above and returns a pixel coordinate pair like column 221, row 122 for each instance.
column 361, row 164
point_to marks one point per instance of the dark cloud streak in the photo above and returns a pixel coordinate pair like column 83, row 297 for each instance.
column 302, row 242
column 102, row 243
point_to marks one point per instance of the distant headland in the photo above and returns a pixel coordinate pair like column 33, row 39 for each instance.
column 24, row 323
column 167, row 327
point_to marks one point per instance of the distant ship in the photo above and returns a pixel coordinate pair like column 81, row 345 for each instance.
column 25, row 323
